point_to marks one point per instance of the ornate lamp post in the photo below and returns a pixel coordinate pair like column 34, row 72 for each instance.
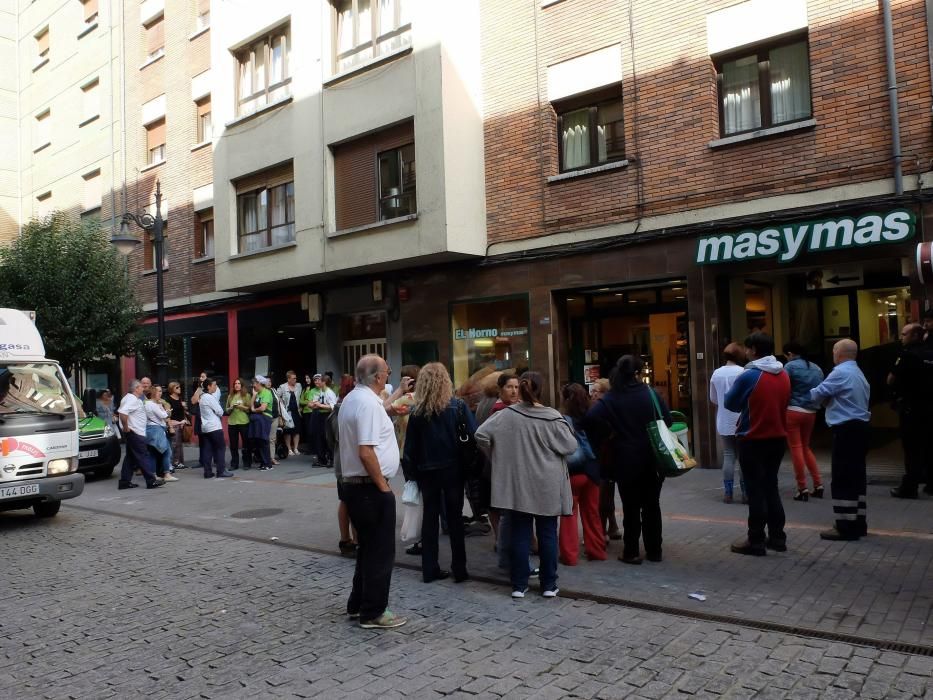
column 125, row 242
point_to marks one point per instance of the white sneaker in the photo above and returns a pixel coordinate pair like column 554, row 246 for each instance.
column 169, row 477
column 519, row 594
column 552, row 593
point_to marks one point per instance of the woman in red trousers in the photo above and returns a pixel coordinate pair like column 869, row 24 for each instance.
column 584, row 485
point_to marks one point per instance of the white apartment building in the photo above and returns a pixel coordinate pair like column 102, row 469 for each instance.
column 59, row 110
column 348, row 142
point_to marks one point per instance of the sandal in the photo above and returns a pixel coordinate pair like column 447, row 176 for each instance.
column 817, row 491
column 801, row 495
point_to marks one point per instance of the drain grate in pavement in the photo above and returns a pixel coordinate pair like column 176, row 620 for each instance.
column 256, row 513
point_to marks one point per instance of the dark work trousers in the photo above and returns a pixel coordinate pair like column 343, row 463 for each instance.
column 372, row 513
column 137, row 455
column 319, row 437
column 760, row 461
column 640, row 493
column 849, row 486
column 442, row 490
column 238, row 441
column 212, row 452
column 918, row 445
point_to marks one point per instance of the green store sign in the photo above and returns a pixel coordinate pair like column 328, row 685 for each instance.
column 787, row 242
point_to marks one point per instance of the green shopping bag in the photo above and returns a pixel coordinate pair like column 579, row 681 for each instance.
column 671, row 457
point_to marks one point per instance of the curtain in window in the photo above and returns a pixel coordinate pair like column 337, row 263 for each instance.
column 282, row 204
column 386, row 16
column 741, row 110
column 245, row 75
column 790, row 83
column 364, row 7
column 609, row 134
column 277, row 69
column 251, row 217
column 575, row 139
column 344, row 26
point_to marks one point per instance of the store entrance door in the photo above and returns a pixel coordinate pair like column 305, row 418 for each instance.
column 649, row 321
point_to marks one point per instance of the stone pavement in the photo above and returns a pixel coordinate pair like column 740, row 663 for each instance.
column 100, row 606
column 880, row 587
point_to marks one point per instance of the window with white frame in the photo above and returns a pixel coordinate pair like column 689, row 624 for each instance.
column 364, row 30
column 155, row 142
column 204, row 234
column 42, row 130
column 90, row 101
column 203, row 110
column 764, row 86
column 263, row 72
column 155, row 38
column 91, row 198
column 591, row 131
column 42, row 47
column 90, row 11
column 266, row 209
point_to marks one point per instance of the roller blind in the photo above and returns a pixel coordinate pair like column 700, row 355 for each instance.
column 155, row 135
column 90, row 9
column 155, row 36
column 42, row 42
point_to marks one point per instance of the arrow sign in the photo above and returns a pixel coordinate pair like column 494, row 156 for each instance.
column 833, row 278
column 836, row 279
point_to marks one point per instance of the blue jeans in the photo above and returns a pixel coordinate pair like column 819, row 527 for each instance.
column 521, row 526
column 504, row 542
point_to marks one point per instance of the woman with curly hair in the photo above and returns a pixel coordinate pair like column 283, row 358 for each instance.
column 431, row 457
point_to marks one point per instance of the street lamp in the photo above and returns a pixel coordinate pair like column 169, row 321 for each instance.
column 125, row 242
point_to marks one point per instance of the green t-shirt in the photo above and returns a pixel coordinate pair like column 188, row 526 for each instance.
column 310, row 394
column 265, row 397
column 235, row 416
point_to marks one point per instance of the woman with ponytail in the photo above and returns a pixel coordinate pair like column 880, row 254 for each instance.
column 621, row 417
column 527, row 444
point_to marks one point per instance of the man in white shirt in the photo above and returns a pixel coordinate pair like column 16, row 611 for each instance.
column 132, row 414
column 369, row 457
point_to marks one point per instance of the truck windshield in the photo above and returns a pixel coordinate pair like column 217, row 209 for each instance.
column 33, row 388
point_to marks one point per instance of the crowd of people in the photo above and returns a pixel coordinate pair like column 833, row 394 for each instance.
column 533, row 474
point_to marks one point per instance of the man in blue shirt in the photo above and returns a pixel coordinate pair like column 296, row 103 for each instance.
column 846, row 393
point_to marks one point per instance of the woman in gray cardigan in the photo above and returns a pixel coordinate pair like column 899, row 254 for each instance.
column 527, row 444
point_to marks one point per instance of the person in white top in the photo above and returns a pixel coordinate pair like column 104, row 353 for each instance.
column 211, row 441
column 156, row 437
column 369, row 457
column 132, row 414
column 726, row 420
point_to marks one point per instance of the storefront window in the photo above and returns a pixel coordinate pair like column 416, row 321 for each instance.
column 488, row 336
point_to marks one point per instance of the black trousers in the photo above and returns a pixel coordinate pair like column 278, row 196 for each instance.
column 849, row 486
column 640, row 493
column 212, row 452
column 372, row 513
column 237, row 435
column 442, row 490
column 137, row 456
column 319, row 437
column 760, row 461
column 915, row 427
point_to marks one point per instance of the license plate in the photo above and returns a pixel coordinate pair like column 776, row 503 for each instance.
column 17, row 491
column 87, row 453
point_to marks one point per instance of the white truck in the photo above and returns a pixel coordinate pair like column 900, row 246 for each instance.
column 38, row 423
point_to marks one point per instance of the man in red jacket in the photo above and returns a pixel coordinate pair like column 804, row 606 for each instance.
column 760, row 396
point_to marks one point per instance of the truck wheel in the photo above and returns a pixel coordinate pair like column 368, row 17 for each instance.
column 48, row 509
column 103, row 472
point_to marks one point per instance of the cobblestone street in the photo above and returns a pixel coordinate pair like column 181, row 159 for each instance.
column 103, row 606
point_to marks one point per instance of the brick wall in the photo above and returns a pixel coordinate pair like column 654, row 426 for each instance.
column 184, row 169
column 675, row 116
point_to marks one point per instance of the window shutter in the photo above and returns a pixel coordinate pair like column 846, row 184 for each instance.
column 155, row 35
column 42, row 42
column 90, row 9
column 355, row 177
column 155, row 135
column 204, row 107
column 277, row 175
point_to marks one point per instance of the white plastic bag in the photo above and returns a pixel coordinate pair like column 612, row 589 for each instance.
column 411, row 523
column 411, row 494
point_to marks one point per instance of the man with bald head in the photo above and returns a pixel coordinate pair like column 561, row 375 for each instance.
column 846, row 393
column 912, row 383
column 369, row 457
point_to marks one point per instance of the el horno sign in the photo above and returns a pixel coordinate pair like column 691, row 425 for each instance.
column 785, row 243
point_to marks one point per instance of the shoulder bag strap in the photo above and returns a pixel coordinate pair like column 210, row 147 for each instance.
column 656, row 403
